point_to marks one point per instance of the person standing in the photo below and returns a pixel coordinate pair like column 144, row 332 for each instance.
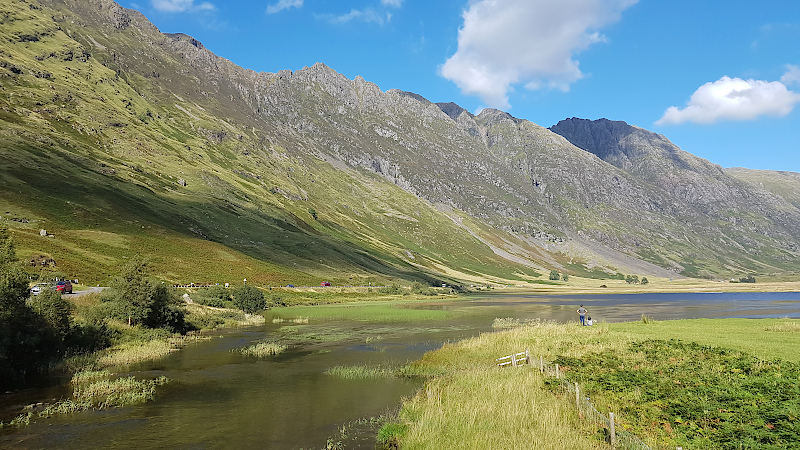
column 582, row 314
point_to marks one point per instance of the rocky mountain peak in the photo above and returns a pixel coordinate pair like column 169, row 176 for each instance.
column 631, row 148
column 602, row 137
column 452, row 109
column 491, row 116
column 185, row 37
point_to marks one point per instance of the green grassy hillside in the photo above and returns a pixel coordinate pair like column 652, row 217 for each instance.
column 111, row 165
column 118, row 139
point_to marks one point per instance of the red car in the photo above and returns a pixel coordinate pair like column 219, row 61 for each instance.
column 64, row 287
column 325, row 283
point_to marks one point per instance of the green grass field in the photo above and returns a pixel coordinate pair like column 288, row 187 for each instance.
column 470, row 403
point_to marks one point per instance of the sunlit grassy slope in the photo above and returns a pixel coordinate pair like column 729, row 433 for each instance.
column 111, row 165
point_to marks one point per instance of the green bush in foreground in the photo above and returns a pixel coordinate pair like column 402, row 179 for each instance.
column 695, row 396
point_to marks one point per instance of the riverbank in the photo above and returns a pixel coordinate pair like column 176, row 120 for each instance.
column 714, row 383
column 95, row 381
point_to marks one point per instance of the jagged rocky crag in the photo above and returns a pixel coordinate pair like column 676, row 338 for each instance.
column 589, row 192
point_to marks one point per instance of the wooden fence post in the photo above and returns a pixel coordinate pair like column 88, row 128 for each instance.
column 612, row 429
column 577, row 397
column 528, row 356
column 541, row 363
column 558, row 372
column 514, row 359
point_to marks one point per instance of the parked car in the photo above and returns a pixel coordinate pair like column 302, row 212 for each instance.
column 325, row 283
column 38, row 288
column 64, row 287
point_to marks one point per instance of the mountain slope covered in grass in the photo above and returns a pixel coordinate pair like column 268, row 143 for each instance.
column 118, row 140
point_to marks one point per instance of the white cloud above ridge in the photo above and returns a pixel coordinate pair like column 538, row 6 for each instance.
column 531, row 42
column 282, row 5
column 176, row 6
column 394, row 3
column 734, row 99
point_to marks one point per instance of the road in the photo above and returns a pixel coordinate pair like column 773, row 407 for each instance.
column 88, row 290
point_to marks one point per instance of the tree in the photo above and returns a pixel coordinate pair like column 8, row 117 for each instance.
column 249, row 299
column 554, row 275
column 565, row 277
column 645, row 280
column 27, row 342
column 137, row 300
column 632, row 279
column 56, row 311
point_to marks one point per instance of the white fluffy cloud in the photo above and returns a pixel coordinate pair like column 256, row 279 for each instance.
column 395, row 3
column 181, row 6
column 284, row 4
column 792, row 75
column 734, row 99
column 530, row 42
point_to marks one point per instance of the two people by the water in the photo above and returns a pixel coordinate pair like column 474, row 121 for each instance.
column 582, row 315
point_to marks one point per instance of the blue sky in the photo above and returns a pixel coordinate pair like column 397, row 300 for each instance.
column 720, row 78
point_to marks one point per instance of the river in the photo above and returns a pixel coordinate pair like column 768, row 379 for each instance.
column 219, row 398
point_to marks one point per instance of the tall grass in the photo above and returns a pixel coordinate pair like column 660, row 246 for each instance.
column 135, row 352
column 262, row 349
column 492, row 409
column 362, row 372
column 470, row 403
column 208, row 318
column 97, row 390
column 790, row 327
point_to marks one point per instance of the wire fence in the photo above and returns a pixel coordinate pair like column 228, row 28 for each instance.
column 621, row 439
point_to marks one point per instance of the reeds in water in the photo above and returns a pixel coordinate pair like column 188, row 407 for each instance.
column 360, row 372
column 262, row 349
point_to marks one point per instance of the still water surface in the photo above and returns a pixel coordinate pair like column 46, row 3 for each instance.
column 220, row 399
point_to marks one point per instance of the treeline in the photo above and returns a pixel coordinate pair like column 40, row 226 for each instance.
column 37, row 332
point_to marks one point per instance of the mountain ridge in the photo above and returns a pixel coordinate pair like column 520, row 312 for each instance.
column 267, row 148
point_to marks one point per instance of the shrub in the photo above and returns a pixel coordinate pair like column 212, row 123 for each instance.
column 421, row 289
column 390, row 290
column 554, row 275
column 215, row 296
column 56, row 311
column 249, row 299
